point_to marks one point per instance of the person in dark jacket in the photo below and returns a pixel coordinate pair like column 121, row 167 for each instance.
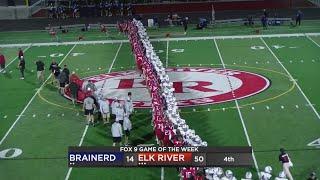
column 67, row 72
column 40, row 71
column 63, row 79
column 55, row 71
column 74, row 88
column 298, row 18
column 22, row 66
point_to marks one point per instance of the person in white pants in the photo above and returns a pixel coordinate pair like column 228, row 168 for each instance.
column 127, row 126
column 286, row 163
column 116, row 131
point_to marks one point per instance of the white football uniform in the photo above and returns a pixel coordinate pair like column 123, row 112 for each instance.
column 129, row 106
column 119, row 114
column 114, row 106
column 127, row 124
column 265, row 176
column 279, row 178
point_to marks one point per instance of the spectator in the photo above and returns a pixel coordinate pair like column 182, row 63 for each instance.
column 90, row 86
column 116, row 131
column 185, row 24
column 114, row 105
column 129, row 9
column 121, row 9
column 104, row 110
column 40, row 71
column 264, row 21
column 51, row 10
column 63, row 79
column 127, row 126
column 22, row 66
column 74, row 92
column 107, row 8
column 101, row 8
column 75, row 10
column 111, row 9
column 55, row 71
column 129, row 105
column 298, row 18
column 265, row 13
column 2, row 63
column 169, row 19
column 120, row 113
column 88, row 107
column 286, row 163
column 67, row 73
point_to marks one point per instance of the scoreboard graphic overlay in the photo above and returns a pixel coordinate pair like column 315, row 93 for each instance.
column 151, row 156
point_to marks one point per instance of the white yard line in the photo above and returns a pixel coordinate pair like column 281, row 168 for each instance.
column 110, row 68
column 26, row 107
column 162, row 39
column 295, row 82
column 313, row 40
column 239, row 111
column 25, row 50
column 162, row 174
column 81, row 141
column 87, row 126
column 115, row 57
column 167, row 55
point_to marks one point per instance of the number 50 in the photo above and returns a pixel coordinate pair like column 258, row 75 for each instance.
column 198, row 158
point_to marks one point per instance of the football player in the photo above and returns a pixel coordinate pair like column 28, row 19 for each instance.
column 248, row 176
column 281, row 176
column 228, row 176
column 266, row 174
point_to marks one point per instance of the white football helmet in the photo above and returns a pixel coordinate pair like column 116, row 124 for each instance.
column 282, row 174
column 268, row 169
column 248, row 175
column 229, row 174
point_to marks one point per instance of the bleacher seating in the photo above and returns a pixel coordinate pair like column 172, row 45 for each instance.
column 3, row 3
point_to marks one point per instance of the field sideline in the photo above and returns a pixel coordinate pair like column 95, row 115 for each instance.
column 35, row 119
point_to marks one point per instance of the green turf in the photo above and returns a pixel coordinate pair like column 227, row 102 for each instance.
column 44, row 140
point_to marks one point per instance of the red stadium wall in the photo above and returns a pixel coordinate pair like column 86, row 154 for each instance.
column 206, row 6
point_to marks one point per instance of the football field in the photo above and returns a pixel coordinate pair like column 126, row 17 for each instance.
column 37, row 124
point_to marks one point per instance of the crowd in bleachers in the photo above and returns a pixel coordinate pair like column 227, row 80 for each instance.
column 92, row 8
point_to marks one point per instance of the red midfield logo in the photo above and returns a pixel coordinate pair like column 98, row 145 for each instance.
column 193, row 86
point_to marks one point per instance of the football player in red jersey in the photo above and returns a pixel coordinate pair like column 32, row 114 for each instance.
column 20, row 53
column 2, row 63
column 188, row 173
column 159, row 130
column 199, row 175
column 178, row 141
column 168, row 135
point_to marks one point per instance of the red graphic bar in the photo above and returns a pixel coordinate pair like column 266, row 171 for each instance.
column 159, row 158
